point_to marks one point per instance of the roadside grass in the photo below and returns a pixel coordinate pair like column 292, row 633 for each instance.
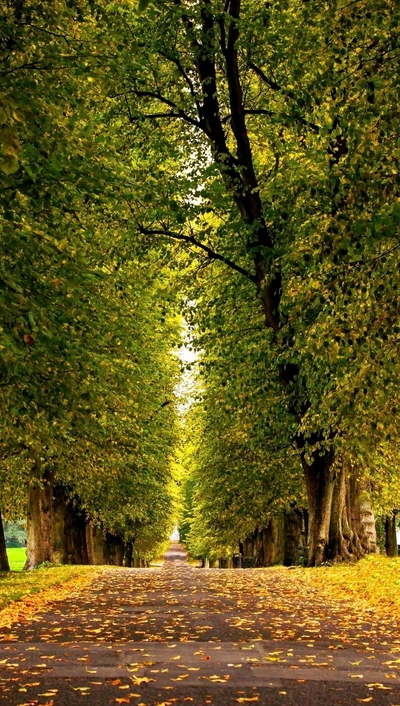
column 22, row 593
column 374, row 580
column 16, row 558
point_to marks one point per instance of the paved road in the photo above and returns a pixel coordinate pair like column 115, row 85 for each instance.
column 182, row 635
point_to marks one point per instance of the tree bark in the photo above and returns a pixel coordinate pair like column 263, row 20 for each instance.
column 320, row 482
column 40, row 520
column 352, row 532
column 390, row 534
column 128, row 553
column 90, row 542
column 292, row 537
column 70, row 529
column 4, row 563
column 114, row 550
column 99, row 545
column 361, row 516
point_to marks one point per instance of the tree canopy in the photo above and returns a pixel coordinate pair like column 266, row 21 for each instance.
column 240, row 160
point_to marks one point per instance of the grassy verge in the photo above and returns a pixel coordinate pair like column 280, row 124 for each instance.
column 16, row 558
column 375, row 580
column 22, row 593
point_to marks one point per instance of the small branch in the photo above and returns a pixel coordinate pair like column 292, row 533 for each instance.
column 154, row 116
column 176, row 112
column 58, row 35
column 269, row 82
column 298, row 118
column 191, row 240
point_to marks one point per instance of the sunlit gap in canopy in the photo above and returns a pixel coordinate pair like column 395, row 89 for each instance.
column 187, row 388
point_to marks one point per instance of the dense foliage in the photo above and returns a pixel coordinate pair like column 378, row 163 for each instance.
column 87, row 376
column 250, row 153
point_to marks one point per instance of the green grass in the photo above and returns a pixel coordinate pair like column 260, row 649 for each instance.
column 17, row 558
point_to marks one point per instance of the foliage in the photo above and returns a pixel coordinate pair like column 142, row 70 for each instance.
column 277, row 131
column 264, row 141
column 15, row 533
column 87, row 376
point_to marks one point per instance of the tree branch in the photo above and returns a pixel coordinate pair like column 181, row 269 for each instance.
column 269, row 82
column 176, row 112
column 191, row 240
column 270, row 113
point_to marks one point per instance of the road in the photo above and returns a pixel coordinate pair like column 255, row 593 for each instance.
column 184, row 635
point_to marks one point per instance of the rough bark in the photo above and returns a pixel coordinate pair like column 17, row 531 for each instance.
column 352, row 532
column 340, row 534
column 70, row 529
column 4, row 564
column 76, row 535
column 320, row 483
column 39, row 519
column 390, row 534
column 361, row 515
column 90, row 542
column 269, row 543
column 99, row 545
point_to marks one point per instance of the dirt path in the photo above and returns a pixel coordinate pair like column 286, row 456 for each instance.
column 181, row 635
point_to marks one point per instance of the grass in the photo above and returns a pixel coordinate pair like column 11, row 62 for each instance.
column 17, row 558
column 18, row 585
column 375, row 580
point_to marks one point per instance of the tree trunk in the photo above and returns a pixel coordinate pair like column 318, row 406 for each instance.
column 340, row 533
column 99, row 545
column 40, row 520
column 352, row 527
column 270, row 544
column 60, row 501
column 114, row 550
column 4, row 564
column 70, row 529
column 361, row 516
column 390, row 533
column 292, row 537
column 320, row 483
column 90, row 542
column 128, row 553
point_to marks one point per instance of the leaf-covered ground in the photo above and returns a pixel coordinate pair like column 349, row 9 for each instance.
column 178, row 634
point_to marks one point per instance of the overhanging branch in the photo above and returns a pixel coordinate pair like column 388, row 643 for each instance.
column 191, row 240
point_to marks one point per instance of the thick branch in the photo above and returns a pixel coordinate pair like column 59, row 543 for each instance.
column 269, row 82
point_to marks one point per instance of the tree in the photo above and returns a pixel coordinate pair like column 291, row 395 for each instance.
column 275, row 130
column 87, row 372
